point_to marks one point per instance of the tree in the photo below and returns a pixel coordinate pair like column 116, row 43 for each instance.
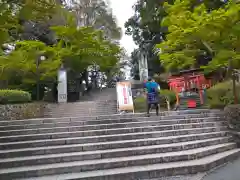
column 80, row 47
column 14, row 14
column 23, row 61
column 193, row 32
column 96, row 13
column 144, row 27
column 53, row 34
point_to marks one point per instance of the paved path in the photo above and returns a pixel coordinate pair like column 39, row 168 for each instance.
column 230, row 171
column 188, row 177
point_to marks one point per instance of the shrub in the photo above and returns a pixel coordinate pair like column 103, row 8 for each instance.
column 167, row 98
column 140, row 104
column 170, row 95
column 221, row 95
column 9, row 96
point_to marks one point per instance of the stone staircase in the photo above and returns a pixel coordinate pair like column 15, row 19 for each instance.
column 97, row 103
column 114, row 147
column 183, row 104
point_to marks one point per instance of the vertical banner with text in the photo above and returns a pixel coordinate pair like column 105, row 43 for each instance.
column 124, row 96
column 62, row 86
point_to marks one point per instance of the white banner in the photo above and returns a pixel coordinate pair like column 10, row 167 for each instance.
column 62, row 86
column 124, row 96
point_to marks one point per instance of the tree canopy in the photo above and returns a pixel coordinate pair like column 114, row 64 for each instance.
column 146, row 28
column 50, row 30
column 96, row 13
column 196, row 31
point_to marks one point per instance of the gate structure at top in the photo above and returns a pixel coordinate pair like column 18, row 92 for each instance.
column 190, row 84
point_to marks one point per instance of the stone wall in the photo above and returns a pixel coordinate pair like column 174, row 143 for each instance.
column 22, row 111
column 232, row 117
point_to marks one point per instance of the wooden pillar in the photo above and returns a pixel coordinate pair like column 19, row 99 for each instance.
column 210, row 83
column 200, row 90
column 177, row 97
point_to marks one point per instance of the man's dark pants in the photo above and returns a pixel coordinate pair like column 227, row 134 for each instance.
column 152, row 100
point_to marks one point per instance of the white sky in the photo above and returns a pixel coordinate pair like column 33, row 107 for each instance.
column 122, row 9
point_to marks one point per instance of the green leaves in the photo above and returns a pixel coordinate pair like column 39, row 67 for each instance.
column 81, row 47
column 196, row 29
column 75, row 48
column 26, row 57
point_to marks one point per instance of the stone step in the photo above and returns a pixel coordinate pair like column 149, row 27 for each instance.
column 84, row 106
column 109, row 144
column 82, row 112
column 104, row 164
column 149, row 171
column 89, row 125
column 112, row 153
column 59, row 115
column 120, row 130
column 99, row 119
column 210, row 132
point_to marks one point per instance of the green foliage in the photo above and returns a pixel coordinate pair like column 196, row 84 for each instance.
column 80, row 47
column 169, row 95
column 14, row 13
column 9, row 96
column 221, row 95
column 76, row 49
column 194, row 31
column 98, row 14
column 24, row 61
column 146, row 29
column 45, row 28
column 140, row 103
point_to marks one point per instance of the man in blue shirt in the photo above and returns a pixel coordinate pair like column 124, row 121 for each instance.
column 152, row 89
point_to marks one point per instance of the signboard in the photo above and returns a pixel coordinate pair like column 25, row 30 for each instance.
column 62, row 86
column 124, row 96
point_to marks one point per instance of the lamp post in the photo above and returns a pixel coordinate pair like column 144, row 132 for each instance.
column 38, row 62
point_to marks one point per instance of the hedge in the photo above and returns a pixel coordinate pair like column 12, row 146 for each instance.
column 221, row 95
column 140, row 104
column 10, row 96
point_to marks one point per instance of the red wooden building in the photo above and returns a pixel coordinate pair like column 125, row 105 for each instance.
column 189, row 81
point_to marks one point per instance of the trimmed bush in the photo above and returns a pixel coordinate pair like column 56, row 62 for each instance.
column 170, row 95
column 140, row 103
column 221, row 95
column 11, row 96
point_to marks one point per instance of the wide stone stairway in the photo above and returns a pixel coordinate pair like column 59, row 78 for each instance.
column 114, row 147
column 97, row 103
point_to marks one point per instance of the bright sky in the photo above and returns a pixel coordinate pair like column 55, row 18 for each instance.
column 122, row 9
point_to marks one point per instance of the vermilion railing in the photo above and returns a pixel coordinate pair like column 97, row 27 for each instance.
column 188, row 82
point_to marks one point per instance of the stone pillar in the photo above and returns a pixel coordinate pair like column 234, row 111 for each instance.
column 62, row 86
column 143, row 67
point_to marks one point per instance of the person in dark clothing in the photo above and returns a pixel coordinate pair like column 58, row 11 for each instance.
column 152, row 89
